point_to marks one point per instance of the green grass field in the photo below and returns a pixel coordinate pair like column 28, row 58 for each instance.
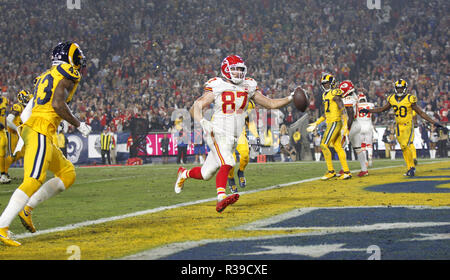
column 101, row 192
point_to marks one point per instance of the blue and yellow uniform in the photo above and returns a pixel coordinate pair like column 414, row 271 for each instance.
column 332, row 136
column 39, row 132
column 3, row 135
column 243, row 149
column 404, row 126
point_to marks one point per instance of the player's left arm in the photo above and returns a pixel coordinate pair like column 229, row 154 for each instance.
column 423, row 114
column 59, row 101
column 270, row 103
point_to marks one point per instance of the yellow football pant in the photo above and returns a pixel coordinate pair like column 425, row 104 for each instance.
column 405, row 137
column 244, row 151
column 13, row 138
column 3, row 147
column 332, row 137
column 43, row 155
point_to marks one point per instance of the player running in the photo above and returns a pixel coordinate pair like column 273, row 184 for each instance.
column 53, row 90
column 244, row 151
column 404, row 105
column 350, row 101
column 230, row 95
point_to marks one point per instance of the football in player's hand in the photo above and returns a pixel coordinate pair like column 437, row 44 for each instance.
column 301, row 100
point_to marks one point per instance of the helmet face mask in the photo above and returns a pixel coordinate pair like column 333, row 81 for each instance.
column 24, row 97
column 328, row 82
column 400, row 87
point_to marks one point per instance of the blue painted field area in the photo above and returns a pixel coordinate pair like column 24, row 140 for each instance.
column 345, row 233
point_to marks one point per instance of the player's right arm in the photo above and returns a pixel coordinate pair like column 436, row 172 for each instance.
column 386, row 107
column 201, row 103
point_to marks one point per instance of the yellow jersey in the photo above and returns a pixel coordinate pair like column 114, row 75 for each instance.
column 43, row 117
column 331, row 108
column 402, row 107
column 3, row 106
column 17, row 120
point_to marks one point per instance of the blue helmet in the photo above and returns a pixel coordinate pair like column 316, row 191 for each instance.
column 69, row 52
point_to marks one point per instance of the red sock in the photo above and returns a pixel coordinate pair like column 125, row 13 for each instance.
column 195, row 173
column 222, row 177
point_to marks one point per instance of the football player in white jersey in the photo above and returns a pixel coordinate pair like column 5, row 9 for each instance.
column 367, row 128
column 230, row 95
column 351, row 105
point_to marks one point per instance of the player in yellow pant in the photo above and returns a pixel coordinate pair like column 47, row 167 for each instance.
column 244, row 151
column 404, row 105
column 336, row 119
column 4, row 179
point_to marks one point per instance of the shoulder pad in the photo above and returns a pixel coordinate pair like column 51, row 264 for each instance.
column 209, row 84
column 68, row 72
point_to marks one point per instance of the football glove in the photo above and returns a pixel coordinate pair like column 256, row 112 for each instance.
column 440, row 126
column 84, row 129
column 311, row 127
column 206, row 125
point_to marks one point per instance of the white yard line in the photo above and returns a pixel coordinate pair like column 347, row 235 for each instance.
column 164, row 208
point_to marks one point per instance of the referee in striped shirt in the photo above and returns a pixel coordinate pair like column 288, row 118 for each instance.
column 105, row 144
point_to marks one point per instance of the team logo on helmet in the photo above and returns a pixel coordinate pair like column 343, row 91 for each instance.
column 234, row 69
column 400, row 87
column 69, row 52
column 328, row 78
column 24, row 96
column 347, row 88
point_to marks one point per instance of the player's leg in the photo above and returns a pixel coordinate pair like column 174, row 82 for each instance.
column 64, row 178
column 231, row 181
column 244, row 158
column 337, row 144
column 329, row 135
column 12, row 143
column 405, row 136
column 3, row 154
column 356, row 140
column 414, row 152
column 36, row 162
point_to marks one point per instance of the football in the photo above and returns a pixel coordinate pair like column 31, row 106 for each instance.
column 301, row 100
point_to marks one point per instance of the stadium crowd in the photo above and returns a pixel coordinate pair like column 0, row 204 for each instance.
column 148, row 58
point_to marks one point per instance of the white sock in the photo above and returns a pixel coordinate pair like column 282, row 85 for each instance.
column 392, row 155
column 49, row 189
column 317, row 156
column 362, row 160
column 16, row 203
column 432, row 154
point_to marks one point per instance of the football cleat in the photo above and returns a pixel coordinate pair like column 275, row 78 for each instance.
column 4, row 237
column 345, row 176
column 242, row 181
column 4, row 179
column 25, row 218
column 232, row 185
column 363, row 173
column 329, row 175
column 231, row 199
column 180, row 179
column 411, row 172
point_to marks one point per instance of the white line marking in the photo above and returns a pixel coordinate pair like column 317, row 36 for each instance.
column 164, row 208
